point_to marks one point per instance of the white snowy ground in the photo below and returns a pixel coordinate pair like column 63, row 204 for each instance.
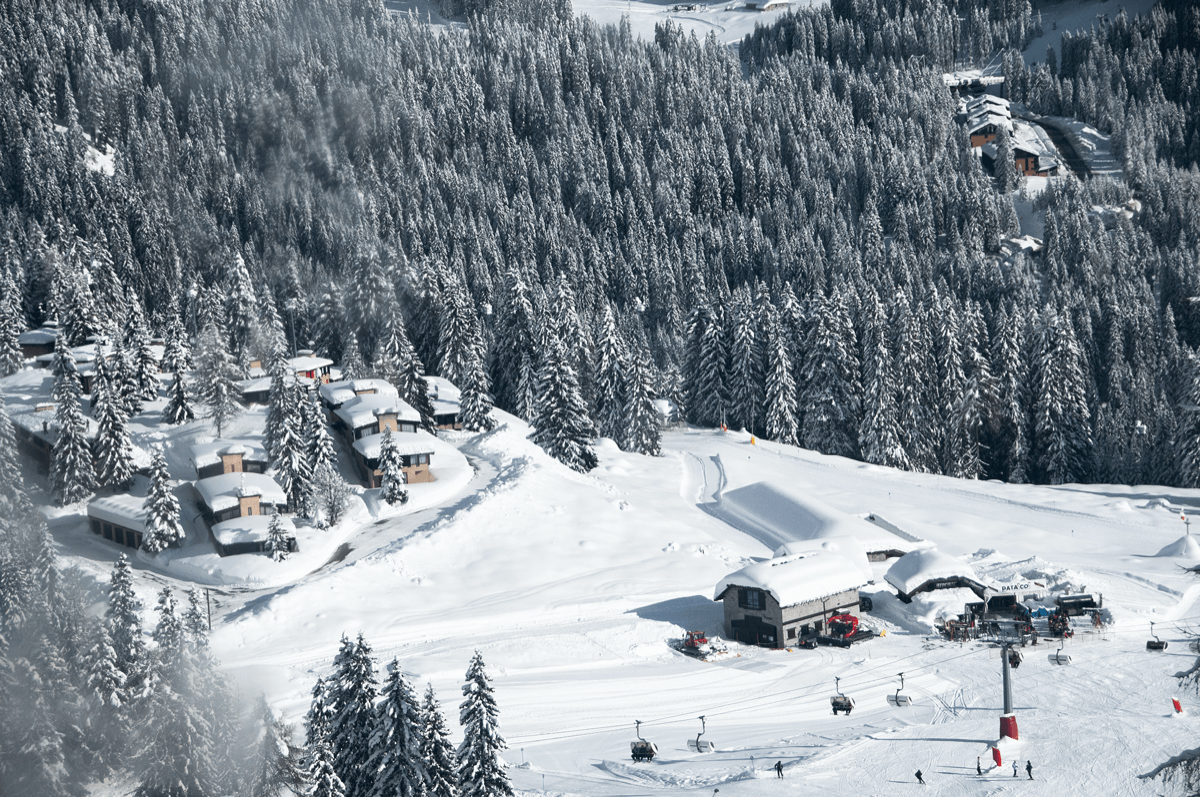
column 1077, row 15
column 572, row 585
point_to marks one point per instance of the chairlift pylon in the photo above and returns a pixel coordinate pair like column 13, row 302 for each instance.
column 1059, row 657
column 1156, row 643
column 840, row 702
column 699, row 745
column 900, row 700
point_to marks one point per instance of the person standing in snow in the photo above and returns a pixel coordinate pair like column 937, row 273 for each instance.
column 1014, row 768
column 1029, row 769
column 978, row 766
column 920, row 779
column 779, row 769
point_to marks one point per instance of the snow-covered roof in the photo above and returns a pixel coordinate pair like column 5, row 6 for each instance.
column 1033, row 140
column 444, row 407
column 222, row 492
column 970, row 105
column 982, row 119
column 966, row 77
column 309, row 363
column 338, row 393
column 124, row 510
column 363, row 410
column 926, row 564
column 31, row 337
column 42, row 423
column 798, row 578
column 206, row 454
column 88, row 352
column 251, row 528
column 407, row 444
column 847, row 546
column 262, row 384
column 442, row 388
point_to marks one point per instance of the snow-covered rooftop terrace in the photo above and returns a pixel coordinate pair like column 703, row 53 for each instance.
column 407, row 444
column 798, row 578
column 363, row 410
column 338, row 393
column 222, row 492
column 207, row 454
column 251, row 528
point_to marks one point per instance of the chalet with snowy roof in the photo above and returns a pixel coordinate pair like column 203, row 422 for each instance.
column 766, row 5
column 228, row 456
column 928, row 569
column 36, row 342
column 309, row 366
column 971, row 79
column 235, row 495
column 118, row 518
column 1034, row 154
column 446, row 400
column 374, row 413
column 415, row 450
column 249, row 534
column 335, row 394
column 257, row 389
column 774, row 603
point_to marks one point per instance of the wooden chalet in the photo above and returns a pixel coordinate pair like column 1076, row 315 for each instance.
column 446, row 400
column 309, row 366
column 228, row 456
column 36, row 342
column 335, row 394
column 374, row 413
column 36, row 430
column 415, row 449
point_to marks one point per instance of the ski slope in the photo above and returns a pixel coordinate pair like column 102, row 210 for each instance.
column 573, row 585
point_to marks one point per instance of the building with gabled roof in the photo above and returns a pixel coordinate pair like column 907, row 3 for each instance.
column 374, row 413
column 228, row 456
column 249, row 534
column 777, row 601
column 232, row 495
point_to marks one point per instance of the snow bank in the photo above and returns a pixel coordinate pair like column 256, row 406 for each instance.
column 1185, row 547
column 789, row 515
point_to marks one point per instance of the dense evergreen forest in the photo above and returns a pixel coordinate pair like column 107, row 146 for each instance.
column 797, row 242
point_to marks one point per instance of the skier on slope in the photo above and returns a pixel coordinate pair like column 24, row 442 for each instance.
column 779, row 769
column 920, row 779
column 1029, row 769
column 978, row 766
column 1014, row 768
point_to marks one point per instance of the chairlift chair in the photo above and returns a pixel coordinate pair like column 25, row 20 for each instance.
column 1059, row 657
column 699, row 745
column 1156, row 643
column 642, row 750
column 1015, row 657
column 900, row 700
column 840, row 702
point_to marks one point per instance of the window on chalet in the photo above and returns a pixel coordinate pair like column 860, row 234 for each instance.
column 751, row 599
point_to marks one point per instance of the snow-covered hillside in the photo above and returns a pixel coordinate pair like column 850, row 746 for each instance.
column 573, row 585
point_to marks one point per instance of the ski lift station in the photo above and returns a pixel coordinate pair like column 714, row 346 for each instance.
column 778, row 601
column 928, row 569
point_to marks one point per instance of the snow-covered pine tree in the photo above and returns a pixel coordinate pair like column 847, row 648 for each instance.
column 329, row 328
column 351, row 696
column 317, row 440
column 281, row 405
column 396, row 361
column 290, row 452
column 1004, row 166
column 179, row 405
column 393, row 471
column 177, row 355
column 704, row 380
column 475, row 402
column 14, row 501
column 104, row 688
column 560, row 423
column 12, row 324
column 437, row 751
column 34, row 760
column 195, row 620
column 169, row 632
column 912, row 369
column 641, row 429
column 782, row 426
column 513, row 343
column 162, row 509
column 459, row 339
column 611, row 363
column 316, row 721
column 123, row 617
column 526, row 401
column 480, row 770
column 277, row 541
column 112, row 450
column 147, row 367
column 216, row 378
column 322, row 779
column 329, row 493
column 124, row 374
column 396, row 744
column 879, row 433
column 745, row 375
column 831, row 394
column 948, row 354
column 280, row 772
column 72, row 471
column 1062, row 433
column 178, row 755
column 352, row 363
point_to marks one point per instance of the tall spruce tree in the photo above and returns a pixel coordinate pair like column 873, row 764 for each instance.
column 351, row 695
column 782, row 426
column 396, row 743
column 163, row 528
column 317, row 440
column 112, row 449
column 1062, row 432
column 831, row 395
column 641, row 428
column 611, row 364
column 560, row 423
column 322, row 778
column 72, row 471
column 123, row 617
column 216, row 378
column 279, row 771
column 879, row 435
column 179, row 405
column 480, row 771
column 437, row 752
column 392, row 466
column 277, row 539
column 12, row 324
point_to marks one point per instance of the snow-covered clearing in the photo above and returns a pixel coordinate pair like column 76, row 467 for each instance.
column 1076, row 15
column 573, row 585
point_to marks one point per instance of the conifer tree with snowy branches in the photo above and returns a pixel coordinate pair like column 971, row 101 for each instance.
column 641, row 426
column 393, row 471
column 396, row 743
column 162, row 509
column 72, row 471
column 351, row 694
column 480, row 771
column 437, row 751
column 112, row 449
column 561, row 425
column 277, row 539
column 179, row 405
column 216, row 378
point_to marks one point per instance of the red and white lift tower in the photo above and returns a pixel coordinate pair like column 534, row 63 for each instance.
column 1008, row 720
